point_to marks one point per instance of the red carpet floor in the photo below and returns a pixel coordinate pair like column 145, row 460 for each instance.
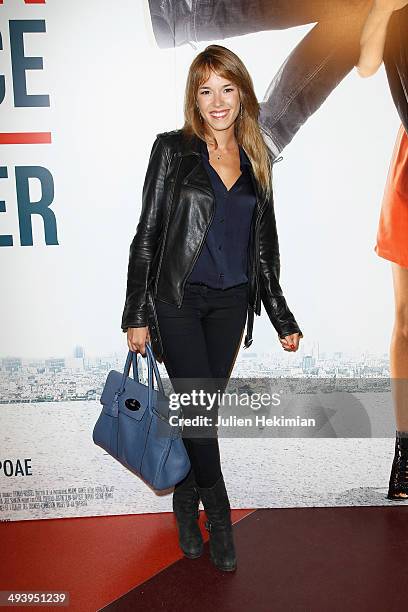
column 95, row 559
column 298, row 560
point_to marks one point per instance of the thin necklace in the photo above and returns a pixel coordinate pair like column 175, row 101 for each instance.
column 219, row 155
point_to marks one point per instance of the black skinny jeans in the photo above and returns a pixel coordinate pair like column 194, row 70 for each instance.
column 200, row 345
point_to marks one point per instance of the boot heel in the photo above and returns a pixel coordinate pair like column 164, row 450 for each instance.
column 217, row 508
column 185, row 507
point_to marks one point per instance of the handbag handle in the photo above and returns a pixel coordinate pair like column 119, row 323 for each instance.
column 134, row 366
column 155, row 368
column 152, row 366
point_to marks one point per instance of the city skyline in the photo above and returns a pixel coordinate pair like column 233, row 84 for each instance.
column 79, row 377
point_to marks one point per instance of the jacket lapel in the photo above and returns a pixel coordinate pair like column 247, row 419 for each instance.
column 196, row 175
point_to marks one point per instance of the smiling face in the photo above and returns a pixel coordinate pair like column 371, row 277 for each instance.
column 219, row 102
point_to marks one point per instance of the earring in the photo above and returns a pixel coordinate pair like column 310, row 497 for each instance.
column 240, row 111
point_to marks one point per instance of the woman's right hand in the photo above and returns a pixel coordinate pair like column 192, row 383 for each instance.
column 137, row 338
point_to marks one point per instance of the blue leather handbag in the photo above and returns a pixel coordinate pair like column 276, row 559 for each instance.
column 134, row 426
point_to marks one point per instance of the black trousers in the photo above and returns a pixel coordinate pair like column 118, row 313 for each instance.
column 200, row 345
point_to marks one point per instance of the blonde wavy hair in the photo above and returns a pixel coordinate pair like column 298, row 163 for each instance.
column 227, row 64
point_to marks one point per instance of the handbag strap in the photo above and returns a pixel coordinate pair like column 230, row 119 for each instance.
column 155, row 368
column 134, row 365
column 152, row 367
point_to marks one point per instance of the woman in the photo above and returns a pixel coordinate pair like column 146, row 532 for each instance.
column 392, row 241
column 204, row 255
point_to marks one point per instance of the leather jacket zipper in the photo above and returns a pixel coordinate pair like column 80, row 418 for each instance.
column 166, row 227
column 198, row 252
column 258, row 220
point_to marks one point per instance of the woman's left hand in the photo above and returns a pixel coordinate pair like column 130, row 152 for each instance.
column 291, row 343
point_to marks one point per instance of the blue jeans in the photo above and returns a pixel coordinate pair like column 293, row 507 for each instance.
column 200, row 344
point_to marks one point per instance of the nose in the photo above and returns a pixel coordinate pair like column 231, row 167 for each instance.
column 218, row 99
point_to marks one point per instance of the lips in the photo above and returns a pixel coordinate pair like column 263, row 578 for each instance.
column 219, row 114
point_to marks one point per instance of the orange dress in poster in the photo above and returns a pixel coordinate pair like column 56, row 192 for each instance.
column 392, row 234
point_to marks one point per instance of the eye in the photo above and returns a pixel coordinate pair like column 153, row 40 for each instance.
column 229, row 89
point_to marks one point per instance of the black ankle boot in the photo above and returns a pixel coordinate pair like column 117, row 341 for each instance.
column 185, row 507
column 398, row 486
column 217, row 508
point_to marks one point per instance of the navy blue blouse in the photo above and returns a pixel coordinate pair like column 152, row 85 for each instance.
column 223, row 260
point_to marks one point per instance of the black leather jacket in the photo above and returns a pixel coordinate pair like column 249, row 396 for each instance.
column 178, row 205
